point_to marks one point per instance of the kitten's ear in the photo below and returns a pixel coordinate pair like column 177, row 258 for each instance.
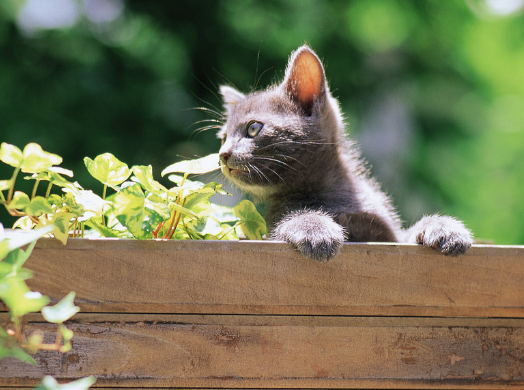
column 305, row 80
column 230, row 96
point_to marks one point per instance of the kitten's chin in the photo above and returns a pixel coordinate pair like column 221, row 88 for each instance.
column 259, row 193
column 240, row 179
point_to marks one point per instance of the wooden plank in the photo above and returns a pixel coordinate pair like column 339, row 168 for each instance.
column 376, row 385
column 127, row 276
column 281, row 352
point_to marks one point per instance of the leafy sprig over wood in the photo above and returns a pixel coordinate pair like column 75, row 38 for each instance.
column 20, row 301
column 138, row 207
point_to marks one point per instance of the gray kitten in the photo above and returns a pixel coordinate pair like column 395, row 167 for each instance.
column 286, row 146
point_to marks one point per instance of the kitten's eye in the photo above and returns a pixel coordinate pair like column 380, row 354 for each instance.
column 254, row 128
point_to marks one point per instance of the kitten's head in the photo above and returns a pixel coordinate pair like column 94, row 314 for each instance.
column 281, row 138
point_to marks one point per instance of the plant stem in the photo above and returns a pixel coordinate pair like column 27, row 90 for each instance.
column 58, row 340
column 232, row 228
column 11, row 190
column 184, row 179
column 35, row 187
column 73, row 227
column 18, row 329
column 157, row 230
column 172, row 227
column 168, row 233
column 47, row 347
column 48, row 192
column 104, row 198
column 175, row 225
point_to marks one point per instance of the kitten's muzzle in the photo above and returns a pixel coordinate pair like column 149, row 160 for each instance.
column 223, row 160
column 230, row 169
column 224, row 157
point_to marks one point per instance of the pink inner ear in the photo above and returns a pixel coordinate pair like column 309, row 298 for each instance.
column 306, row 79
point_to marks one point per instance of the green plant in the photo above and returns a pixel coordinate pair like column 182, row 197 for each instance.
column 139, row 207
column 49, row 383
column 20, row 301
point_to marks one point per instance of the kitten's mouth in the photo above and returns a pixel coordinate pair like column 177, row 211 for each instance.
column 237, row 171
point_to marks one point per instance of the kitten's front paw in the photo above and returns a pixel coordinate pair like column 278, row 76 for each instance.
column 313, row 233
column 445, row 234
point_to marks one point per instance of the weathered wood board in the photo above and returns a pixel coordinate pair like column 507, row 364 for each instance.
column 127, row 276
column 281, row 351
column 258, row 315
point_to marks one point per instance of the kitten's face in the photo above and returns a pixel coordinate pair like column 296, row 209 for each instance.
column 271, row 138
column 259, row 150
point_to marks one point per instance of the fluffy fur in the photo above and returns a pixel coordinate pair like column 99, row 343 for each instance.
column 287, row 147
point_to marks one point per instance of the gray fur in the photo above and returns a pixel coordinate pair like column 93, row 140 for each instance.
column 318, row 192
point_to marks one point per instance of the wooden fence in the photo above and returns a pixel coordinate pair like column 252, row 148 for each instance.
column 194, row 314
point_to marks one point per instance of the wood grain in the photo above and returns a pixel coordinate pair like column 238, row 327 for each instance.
column 186, row 314
column 281, row 351
column 271, row 278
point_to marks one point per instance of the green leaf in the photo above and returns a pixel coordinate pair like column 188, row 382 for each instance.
column 198, row 201
column 228, row 232
column 49, row 383
column 223, row 213
column 10, row 348
column 214, row 230
column 5, row 184
column 67, row 334
column 11, row 155
column 34, row 341
column 12, row 265
column 59, row 181
column 18, row 238
column 253, row 225
column 72, row 206
column 61, row 222
column 94, row 205
column 19, row 299
column 62, row 311
column 189, row 186
column 195, row 228
column 199, row 166
column 55, row 200
column 36, row 160
column 19, row 201
column 107, row 169
column 61, row 171
column 107, row 231
column 52, row 176
column 144, row 175
column 38, row 206
column 24, row 223
column 183, row 210
column 140, row 214
column 181, row 234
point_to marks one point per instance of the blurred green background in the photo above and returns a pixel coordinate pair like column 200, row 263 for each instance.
column 432, row 90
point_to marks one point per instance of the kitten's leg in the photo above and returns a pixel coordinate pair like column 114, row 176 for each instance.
column 443, row 233
column 313, row 233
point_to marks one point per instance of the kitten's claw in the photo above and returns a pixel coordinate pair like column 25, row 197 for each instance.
column 320, row 251
column 314, row 234
column 442, row 233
